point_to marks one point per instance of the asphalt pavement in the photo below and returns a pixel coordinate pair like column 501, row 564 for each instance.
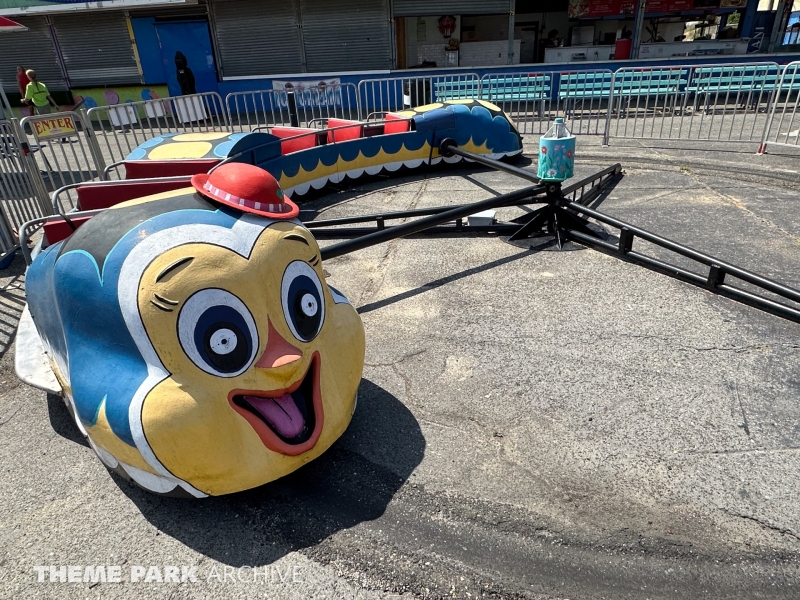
column 532, row 423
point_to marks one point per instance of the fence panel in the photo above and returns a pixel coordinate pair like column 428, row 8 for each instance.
column 533, row 100
column 64, row 149
column 718, row 103
column 783, row 127
column 250, row 111
column 5, row 106
column 525, row 97
column 379, row 96
column 122, row 127
column 647, row 102
column 582, row 99
column 22, row 193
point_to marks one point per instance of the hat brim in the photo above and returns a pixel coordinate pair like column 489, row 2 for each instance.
column 291, row 210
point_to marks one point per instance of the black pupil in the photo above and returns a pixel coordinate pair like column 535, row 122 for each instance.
column 233, row 360
column 305, row 325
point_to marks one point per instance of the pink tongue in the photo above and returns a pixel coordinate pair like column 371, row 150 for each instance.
column 282, row 413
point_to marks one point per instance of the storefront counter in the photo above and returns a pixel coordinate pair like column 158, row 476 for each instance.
column 570, row 54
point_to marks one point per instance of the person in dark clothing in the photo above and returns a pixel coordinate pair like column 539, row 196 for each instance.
column 185, row 75
column 551, row 41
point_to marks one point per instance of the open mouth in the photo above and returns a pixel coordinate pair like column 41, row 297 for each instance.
column 288, row 421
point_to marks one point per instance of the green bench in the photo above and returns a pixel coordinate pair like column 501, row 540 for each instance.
column 585, row 86
column 459, row 89
column 627, row 85
column 748, row 85
column 518, row 89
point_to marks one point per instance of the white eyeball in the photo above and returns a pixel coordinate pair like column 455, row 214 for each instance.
column 303, row 301
column 218, row 332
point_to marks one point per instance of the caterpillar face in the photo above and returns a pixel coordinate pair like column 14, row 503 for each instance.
column 264, row 363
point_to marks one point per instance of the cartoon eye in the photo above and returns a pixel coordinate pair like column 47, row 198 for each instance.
column 218, row 333
column 302, row 300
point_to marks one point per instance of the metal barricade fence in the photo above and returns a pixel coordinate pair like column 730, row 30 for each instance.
column 22, row 192
column 379, row 96
column 122, row 127
column 5, row 105
column 254, row 110
column 533, row 100
column 783, row 125
column 525, row 97
column 582, row 99
column 64, row 148
column 710, row 102
column 647, row 102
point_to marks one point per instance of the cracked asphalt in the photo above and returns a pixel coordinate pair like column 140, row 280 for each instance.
column 531, row 423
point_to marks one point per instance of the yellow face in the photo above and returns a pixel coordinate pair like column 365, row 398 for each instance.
column 264, row 363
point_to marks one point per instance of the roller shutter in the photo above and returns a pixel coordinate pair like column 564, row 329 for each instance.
column 346, row 35
column 97, row 49
column 257, row 37
column 418, row 8
column 32, row 49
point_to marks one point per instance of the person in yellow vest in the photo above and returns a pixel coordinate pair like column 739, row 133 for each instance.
column 36, row 93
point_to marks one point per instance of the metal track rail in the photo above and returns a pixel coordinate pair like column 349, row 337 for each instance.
column 595, row 184
column 457, row 212
column 582, row 193
column 713, row 280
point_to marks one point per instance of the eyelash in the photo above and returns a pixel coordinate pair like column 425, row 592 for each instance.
column 158, row 306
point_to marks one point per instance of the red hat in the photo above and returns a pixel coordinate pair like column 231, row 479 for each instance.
column 246, row 188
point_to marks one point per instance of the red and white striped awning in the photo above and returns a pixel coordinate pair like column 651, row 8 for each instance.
column 8, row 26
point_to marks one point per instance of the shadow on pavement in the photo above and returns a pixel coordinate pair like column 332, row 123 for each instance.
column 432, row 285
column 347, row 485
column 12, row 302
column 62, row 422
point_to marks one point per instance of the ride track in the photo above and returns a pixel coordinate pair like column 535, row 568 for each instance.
column 561, row 218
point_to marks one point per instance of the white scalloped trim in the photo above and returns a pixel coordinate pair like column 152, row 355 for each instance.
column 319, row 183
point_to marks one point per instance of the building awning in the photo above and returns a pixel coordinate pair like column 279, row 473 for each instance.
column 9, row 26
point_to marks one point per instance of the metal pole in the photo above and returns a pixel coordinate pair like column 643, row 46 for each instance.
column 5, row 106
column 448, row 148
column 638, row 26
column 779, row 27
column 291, row 102
column 91, row 140
column 748, row 19
column 511, row 14
column 458, row 212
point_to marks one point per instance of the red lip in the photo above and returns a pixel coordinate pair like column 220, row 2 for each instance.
column 311, row 408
